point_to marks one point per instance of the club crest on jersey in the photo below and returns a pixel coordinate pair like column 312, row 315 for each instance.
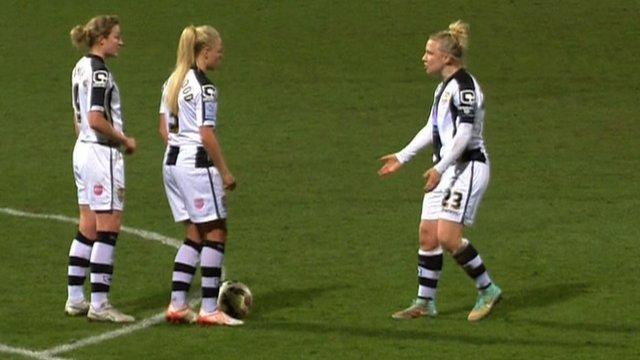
column 199, row 203
column 446, row 97
column 98, row 189
column 209, row 92
column 100, row 78
column 467, row 97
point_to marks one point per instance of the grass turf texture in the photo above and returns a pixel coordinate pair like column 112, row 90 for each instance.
column 311, row 94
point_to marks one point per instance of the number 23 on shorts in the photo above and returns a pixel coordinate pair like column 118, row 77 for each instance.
column 452, row 200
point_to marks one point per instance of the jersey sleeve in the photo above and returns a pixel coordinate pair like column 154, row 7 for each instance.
column 423, row 138
column 207, row 105
column 99, row 82
column 466, row 102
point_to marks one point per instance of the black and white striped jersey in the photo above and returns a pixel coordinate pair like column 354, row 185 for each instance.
column 197, row 107
column 94, row 89
column 458, row 100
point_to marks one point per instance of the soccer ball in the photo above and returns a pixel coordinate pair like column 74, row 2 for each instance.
column 235, row 299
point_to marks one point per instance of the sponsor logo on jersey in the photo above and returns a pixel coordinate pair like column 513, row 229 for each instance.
column 209, row 93
column 467, row 97
column 98, row 189
column 100, row 78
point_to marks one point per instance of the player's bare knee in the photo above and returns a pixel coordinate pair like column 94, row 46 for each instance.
column 191, row 232
column 428, row 236
column 108, row 221
column 450, row 242
column 88, row 230
column 215, row 231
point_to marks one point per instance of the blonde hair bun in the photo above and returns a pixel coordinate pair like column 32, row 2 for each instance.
column 459, row 30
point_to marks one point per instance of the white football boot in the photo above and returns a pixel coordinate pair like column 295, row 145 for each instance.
column 76, row 308
column 217, row 317
column 110, row 314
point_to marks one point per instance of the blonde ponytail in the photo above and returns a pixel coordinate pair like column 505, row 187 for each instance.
column 192, row 41
column 454, row 40
column 78, row 36
column 87, row 35
column 185, row 59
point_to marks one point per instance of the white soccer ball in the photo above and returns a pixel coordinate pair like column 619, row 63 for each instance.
column 235, row 299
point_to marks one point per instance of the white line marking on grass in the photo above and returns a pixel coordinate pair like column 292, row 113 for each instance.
column 148, row 322
column 26, row 352
column 91, row 340
column 156, row 319
column 147, row 235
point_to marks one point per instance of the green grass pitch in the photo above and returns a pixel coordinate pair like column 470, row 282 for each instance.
column 312, row 93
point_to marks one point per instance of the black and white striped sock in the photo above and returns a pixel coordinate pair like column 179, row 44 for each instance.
column 472, row 264
column 429, row 268
column 79, row 255
column 211, row 267
column 184, row 267
column 102, row 267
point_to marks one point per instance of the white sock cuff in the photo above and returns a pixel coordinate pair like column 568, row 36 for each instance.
column 436, row 251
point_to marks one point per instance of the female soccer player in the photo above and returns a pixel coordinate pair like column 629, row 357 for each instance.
column 456, row 183
column 98, row 166
column 196, row 174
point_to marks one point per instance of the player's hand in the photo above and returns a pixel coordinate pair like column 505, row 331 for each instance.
column 432, row 177
column 391, row 165
column 129, row 145
column 229, row 182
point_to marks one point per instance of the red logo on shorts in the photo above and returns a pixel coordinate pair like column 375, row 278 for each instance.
column 97, row 189
column 199, row 203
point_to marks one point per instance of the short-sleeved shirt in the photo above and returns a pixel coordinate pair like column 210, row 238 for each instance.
column 197, row 107
column 93, row 88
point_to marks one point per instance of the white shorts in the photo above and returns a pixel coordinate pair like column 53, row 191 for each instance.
column 80, row 151
column 195, row 194
column 100, row 179
column 458, row 195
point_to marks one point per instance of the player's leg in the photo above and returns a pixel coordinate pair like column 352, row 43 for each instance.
column 214, row 235
column 102, row 259
column 188, row 255
column 107, row 201
column 429, row 265
column 184, row 268
column 460, row 208
column 429, row 261
column 81, row 245
column 79, row 257
column 207, row 210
